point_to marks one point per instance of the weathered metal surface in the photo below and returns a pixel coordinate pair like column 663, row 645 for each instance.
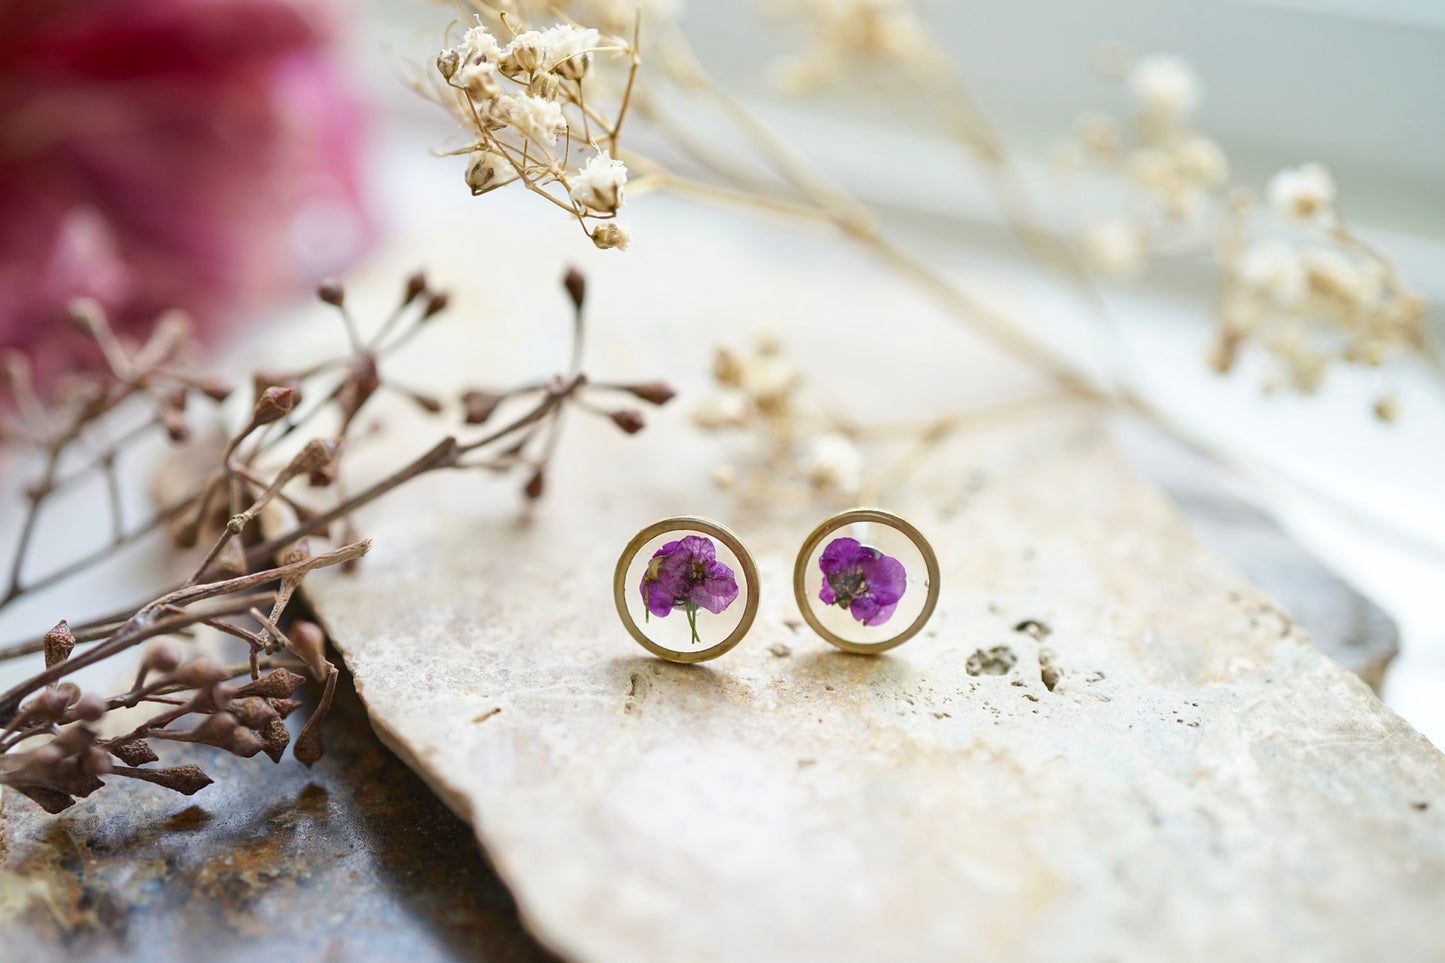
column 353, row 859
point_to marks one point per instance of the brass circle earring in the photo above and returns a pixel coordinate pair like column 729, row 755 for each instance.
column 866, row 580
column 688, row 565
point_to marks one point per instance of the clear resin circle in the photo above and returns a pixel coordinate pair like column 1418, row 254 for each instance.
column 866, row 580
column 686, row 589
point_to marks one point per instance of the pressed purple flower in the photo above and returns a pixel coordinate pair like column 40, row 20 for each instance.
column 685, row 574
column 862, row 580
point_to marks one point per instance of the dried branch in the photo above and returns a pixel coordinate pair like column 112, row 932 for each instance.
column 242, row 584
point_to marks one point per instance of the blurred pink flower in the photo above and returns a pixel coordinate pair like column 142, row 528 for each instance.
column 156, row 153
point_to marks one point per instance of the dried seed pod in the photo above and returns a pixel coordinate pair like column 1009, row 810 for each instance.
column 163, row 655
column 274, row 685
column 436, row 304
column 415, row 285
column 59, row 643
column 253, row 712
column 136, row 753
column 535, row 485
column 656, row 392
column 576, row 284
column 629, row 420
column 277, row 738
column 274, row 404
column 89, row 708
column 217, row 389
column 308, row 641
column 308, row 745
column 186, row 780
column 331, row 291
column 284, row 707
column 479, row 405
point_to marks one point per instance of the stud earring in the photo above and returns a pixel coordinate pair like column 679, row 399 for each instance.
column 866, row 580
column 688, row 566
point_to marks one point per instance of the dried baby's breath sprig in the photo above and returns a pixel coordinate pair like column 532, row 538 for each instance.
column 793, row 449
column 532, row 103
column 59, row 743
column 1295, row 279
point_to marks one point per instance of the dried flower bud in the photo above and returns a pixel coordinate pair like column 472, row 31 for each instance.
column 315, row 455
column 576, row 66
column 308, row 641
column 50, row 703
column 479, row 78
column 51, row 800
column 576, row 284
column 224, row 732
column 59, row 643
column 163, row 656
column 277, row 738
column 186, row 780
column 607, row 236
column 308, row 744
column 136, row 753
column 600, row 186
column 656, row 392
column 284, row 707
column 274, row 404
column 629, row 420
column 448, row 61
column 253, row 712
column 535, row 485
column 325, row 476
column 415, row 285
column 217, row 389
column 544, row 85
column 479, row 405
column 298, row 552
column 230, row 562
column 436, row 304
column 274, row 685
column 525, row 53
column 175, row 424
column 331, row 291
column 89, row 708
column 202, row 674
column 487, row 171
column 1303, row 192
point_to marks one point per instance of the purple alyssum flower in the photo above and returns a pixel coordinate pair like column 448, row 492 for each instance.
column 862, row 580
column 685, row 574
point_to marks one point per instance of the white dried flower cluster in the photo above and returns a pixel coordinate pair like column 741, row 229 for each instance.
column 523, row 104
column 1296, row 281
column 1173, row 175
column 1165, row 85
column 832, row 462
column 1305, row 193
column 1309, row 292
column 840, row 33
column 760, row 393
column 1114, row 246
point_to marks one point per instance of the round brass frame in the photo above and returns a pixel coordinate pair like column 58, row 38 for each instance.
column 705, row 526
column 800, row 573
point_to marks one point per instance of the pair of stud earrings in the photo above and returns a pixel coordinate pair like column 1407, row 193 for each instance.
column 865, row 580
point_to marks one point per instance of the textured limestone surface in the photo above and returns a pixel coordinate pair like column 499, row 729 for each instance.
column 1161, row 766
column 1106, row 744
